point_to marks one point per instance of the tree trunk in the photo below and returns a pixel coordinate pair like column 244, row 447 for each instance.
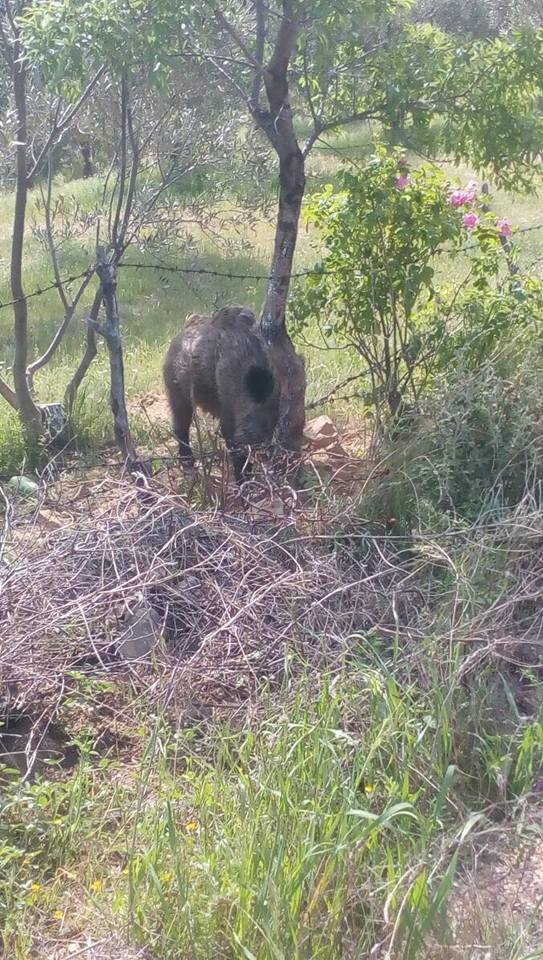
column 86, row 156
column 28, row 411
column 112, row 334
column 279, row 127
column 289, row 365
column 87, row 358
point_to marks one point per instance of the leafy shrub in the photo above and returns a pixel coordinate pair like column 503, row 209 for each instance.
column 475, row 449
column 379, row 288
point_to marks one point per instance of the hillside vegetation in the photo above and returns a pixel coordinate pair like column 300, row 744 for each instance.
column 300, row 718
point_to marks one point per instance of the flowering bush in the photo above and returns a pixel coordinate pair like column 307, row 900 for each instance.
column 380, row 287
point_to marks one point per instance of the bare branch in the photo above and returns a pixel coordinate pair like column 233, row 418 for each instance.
column 356, row 117
column 134, row 169
column 123, row 161
column 260, row 42
column 331, row 395
column 230, row 29
column 30, row 414
column 231, row 80
column 60, row 126
column 90, row 352
column 59, row 335
column 8, row 394
column 49, row 235
column 110, row 330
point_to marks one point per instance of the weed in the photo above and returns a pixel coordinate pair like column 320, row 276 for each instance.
column 335, row 823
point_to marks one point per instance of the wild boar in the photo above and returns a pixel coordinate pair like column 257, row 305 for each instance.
column 222, row 365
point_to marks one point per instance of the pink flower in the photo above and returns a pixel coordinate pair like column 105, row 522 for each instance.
column 459, row 198
column 402, row 181
column 503, row 227
column 463, row 197
column 471, row 220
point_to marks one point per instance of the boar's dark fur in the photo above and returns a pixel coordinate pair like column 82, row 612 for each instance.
column 222, row 365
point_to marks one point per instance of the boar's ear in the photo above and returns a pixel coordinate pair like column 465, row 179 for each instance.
column 247, row 314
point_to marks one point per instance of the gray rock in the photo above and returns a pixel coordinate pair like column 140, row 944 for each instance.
column 142, row 633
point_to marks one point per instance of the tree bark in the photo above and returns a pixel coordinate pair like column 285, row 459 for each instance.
column 112, row 335
column 8, row 394
column 86, row 156
column 28, row 411
column 277, row 122
column 88, row 356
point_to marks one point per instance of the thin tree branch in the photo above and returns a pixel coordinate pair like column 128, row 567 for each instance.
column 231, row 30
column 49, row 235
column 233, row 82
column 30, row 414
column 357, row 117
column 90, row 352
column 123, row 159
column 59, row 335
column 134, row 169
column 331, row 395
column 8, row 394
column 260, row 19
column 63, row 124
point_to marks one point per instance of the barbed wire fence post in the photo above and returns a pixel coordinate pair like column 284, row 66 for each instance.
column 111, row 332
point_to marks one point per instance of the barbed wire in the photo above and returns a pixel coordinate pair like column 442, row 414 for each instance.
column 207, row 271
column 54, row 285
column 223, row 274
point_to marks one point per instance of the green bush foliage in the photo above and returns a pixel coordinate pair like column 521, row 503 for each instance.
column 379, row 286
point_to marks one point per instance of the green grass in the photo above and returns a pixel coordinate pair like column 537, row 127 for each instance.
column 153, row 308
column 154, row 305
column 335, row 822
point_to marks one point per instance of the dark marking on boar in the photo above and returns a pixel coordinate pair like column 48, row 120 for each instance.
column 222, row 365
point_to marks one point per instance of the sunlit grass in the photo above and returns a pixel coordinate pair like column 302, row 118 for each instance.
column 154, row 304
column 335, row 822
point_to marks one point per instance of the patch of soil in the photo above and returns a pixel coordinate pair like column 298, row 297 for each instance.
column 89, row 948
column 30, row 746
column 498, row 904
column 153, row 406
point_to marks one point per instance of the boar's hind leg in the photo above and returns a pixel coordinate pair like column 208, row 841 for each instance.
column 182, row 410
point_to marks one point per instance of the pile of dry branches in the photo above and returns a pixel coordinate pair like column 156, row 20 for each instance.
column 229, row 595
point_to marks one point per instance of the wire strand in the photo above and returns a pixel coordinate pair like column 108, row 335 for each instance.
column 208, row 272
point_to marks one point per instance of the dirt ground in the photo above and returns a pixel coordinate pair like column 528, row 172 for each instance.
column 496, row 907
column 495, row 913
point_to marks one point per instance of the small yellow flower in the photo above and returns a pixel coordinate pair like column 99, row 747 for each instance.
column 166, row 878
column 35, row 888
column 192, row 826
column 369, row 788
column 96, row 885
column 58, row 914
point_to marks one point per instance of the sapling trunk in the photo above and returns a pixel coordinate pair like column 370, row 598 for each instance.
column 111, row 332
column 28, row 411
